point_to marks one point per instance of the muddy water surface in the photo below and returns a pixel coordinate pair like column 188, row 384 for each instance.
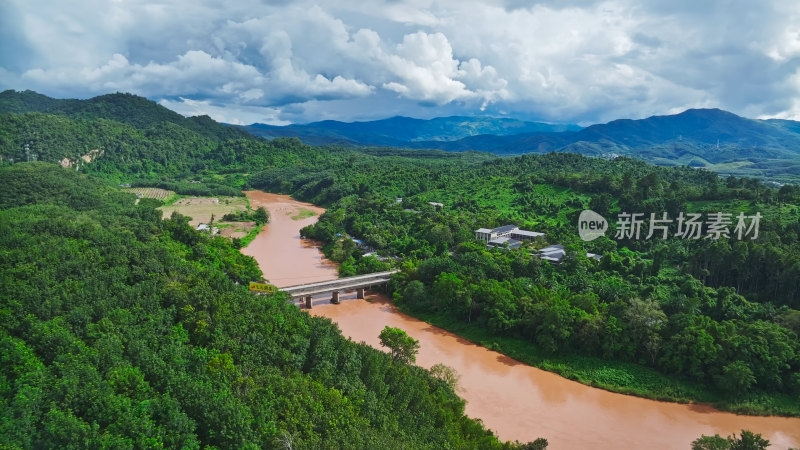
column 284, row 258
column 517, row 401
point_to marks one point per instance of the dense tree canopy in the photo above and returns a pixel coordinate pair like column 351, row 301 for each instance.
column 98, row 292
column 746, row 441
column 720, row 313
column 122, row 330
column 403, row 347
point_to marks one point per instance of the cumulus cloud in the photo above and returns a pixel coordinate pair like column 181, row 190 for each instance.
column 241, row 115
column 424, row 69
column 570, row 61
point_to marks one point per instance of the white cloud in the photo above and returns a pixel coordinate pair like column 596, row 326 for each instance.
column 576, row 61
column 240, row 115
column 424, row 69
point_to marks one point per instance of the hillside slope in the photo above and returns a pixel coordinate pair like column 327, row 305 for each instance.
column 129, row 109
column 403, row 131
column 120, row 330
column 717, row 140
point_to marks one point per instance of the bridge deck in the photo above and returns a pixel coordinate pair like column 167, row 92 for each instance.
column 340, row 284
column 343, row 287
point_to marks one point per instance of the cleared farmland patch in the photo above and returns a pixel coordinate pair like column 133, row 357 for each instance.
column 200, row 209
column 235, row 229
column 156, row 193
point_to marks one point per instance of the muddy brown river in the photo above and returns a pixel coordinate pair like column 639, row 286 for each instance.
column 515, row 400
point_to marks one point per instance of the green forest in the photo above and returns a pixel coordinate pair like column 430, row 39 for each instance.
column 709, row 320
column 122, row 329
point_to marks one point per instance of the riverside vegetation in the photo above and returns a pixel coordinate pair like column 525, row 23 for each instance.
column 686, row 320
column 671, row 319
column 120, row 329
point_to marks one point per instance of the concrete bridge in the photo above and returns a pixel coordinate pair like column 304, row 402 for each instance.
column 357, row 283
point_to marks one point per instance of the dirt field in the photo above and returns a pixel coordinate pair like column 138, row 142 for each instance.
column 200, row 209
column 235, row 229
column 156, row 193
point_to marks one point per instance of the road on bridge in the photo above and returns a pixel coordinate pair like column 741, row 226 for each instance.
column 357, row 283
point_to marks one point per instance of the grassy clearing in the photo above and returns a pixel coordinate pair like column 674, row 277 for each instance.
column 200, row 209
column 303, row 213
column 235, row 229
column 614, row 376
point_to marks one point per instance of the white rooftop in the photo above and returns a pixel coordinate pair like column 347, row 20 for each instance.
column 503, row 240
column 528, row 233
column 552, row 248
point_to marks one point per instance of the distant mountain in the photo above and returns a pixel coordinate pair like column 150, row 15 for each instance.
column 404, row 131
column 711, row 138
column 129, row 109
column 711, row 129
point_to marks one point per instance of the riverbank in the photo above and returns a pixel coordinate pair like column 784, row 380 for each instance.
column 516, row 400
column 520, row 402
column 613, row 376
column 298, row 260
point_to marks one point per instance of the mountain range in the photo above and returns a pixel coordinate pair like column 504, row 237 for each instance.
column 709, row 138
column 403, row 131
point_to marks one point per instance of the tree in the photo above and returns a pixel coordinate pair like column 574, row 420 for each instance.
column 440, row 234
column 715, row 442
column 447, row 288
column 414, row 293
column 404, row 348
column 747, row 441
column 601, row 203
column 736, row 378
column 261, row 216
column 645, row 320
column 446, row 374
column 538, row 444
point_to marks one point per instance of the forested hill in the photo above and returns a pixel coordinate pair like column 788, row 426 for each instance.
column 404, row 131
column 717, row 140
column 125, row 138
column 128, row 109
column 136, row 136
column 712, row 320
column 122, row 330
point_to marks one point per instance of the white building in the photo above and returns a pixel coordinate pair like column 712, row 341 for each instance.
column 525, row 235
column 504, row 242
column 486, row 235
column 553, row 253
column 556, row 253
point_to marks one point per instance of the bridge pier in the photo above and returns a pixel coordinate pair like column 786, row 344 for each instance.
column 358, row 283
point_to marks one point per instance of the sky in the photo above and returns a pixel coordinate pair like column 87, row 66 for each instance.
column 281, row 62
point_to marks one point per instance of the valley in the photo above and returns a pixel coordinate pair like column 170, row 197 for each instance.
column 514, row 400
column 698, row 322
